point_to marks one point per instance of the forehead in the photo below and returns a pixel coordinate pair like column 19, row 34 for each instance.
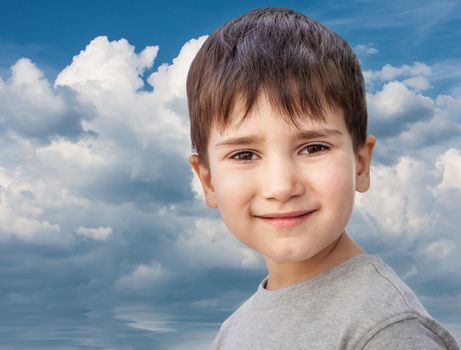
column 264, row 118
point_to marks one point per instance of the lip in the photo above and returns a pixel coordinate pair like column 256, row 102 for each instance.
column 290, row 214
column 286, row 220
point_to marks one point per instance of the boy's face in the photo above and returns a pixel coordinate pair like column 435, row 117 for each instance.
column 273, row 170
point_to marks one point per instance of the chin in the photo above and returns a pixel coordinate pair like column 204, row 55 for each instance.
column 289, row 258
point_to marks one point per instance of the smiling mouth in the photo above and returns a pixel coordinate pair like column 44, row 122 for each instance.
column 286, row 220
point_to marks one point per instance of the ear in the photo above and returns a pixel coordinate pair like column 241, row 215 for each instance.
column 363, row 162
column 204, row 176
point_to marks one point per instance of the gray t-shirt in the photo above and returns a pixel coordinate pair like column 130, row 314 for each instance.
column 360, row 304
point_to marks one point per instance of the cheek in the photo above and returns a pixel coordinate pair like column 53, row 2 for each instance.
column 233, row 189
column 234, row 193
column 336, row 185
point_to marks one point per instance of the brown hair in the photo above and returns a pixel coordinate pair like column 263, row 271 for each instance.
column 297, row 62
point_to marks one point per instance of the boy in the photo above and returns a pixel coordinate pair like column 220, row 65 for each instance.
column 278, row 122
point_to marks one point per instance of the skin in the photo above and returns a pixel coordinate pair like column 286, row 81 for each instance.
column 280, row 173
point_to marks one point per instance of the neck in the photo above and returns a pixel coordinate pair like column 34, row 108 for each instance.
column 282, row 275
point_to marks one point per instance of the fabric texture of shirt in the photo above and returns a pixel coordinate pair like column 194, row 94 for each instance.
column 360, row 304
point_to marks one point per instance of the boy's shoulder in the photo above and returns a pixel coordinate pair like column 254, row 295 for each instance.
column 364, row 282
column 372, row 286
column 348, row 305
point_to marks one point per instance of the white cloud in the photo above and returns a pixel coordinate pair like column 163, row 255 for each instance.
column 34, row 231
column 217, row 246
column 449, row 164
column 143, row 278
column 170, row 80
column 366, row 49
column 408, row 122
column 427, row 133
column 29, row 82
column 413, row 205
column 395, row 102
column 31, row 107
column 107, row 65
column 447, row 70
column 153, row 119
column 81, row 153
column 418, row 83
column 403, row 118
column 395, row 109
column 449, row 103
column 16, row 191
column 133, row 138
column 22, row 213
column 390, row 72
column 96, row 233
column 441, row 249
column 399, row 198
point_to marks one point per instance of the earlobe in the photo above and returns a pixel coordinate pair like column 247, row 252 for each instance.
column 363, row 162
column 204, row 176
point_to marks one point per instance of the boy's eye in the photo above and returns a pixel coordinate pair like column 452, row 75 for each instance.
column 315, row 148
column 309, row 150
column 243, row 156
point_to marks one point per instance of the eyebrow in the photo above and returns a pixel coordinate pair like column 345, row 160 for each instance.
column 302, row 135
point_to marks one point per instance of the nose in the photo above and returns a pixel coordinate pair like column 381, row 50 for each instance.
column 281, row 180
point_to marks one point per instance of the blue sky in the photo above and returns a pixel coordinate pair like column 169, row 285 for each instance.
column 105, row 241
